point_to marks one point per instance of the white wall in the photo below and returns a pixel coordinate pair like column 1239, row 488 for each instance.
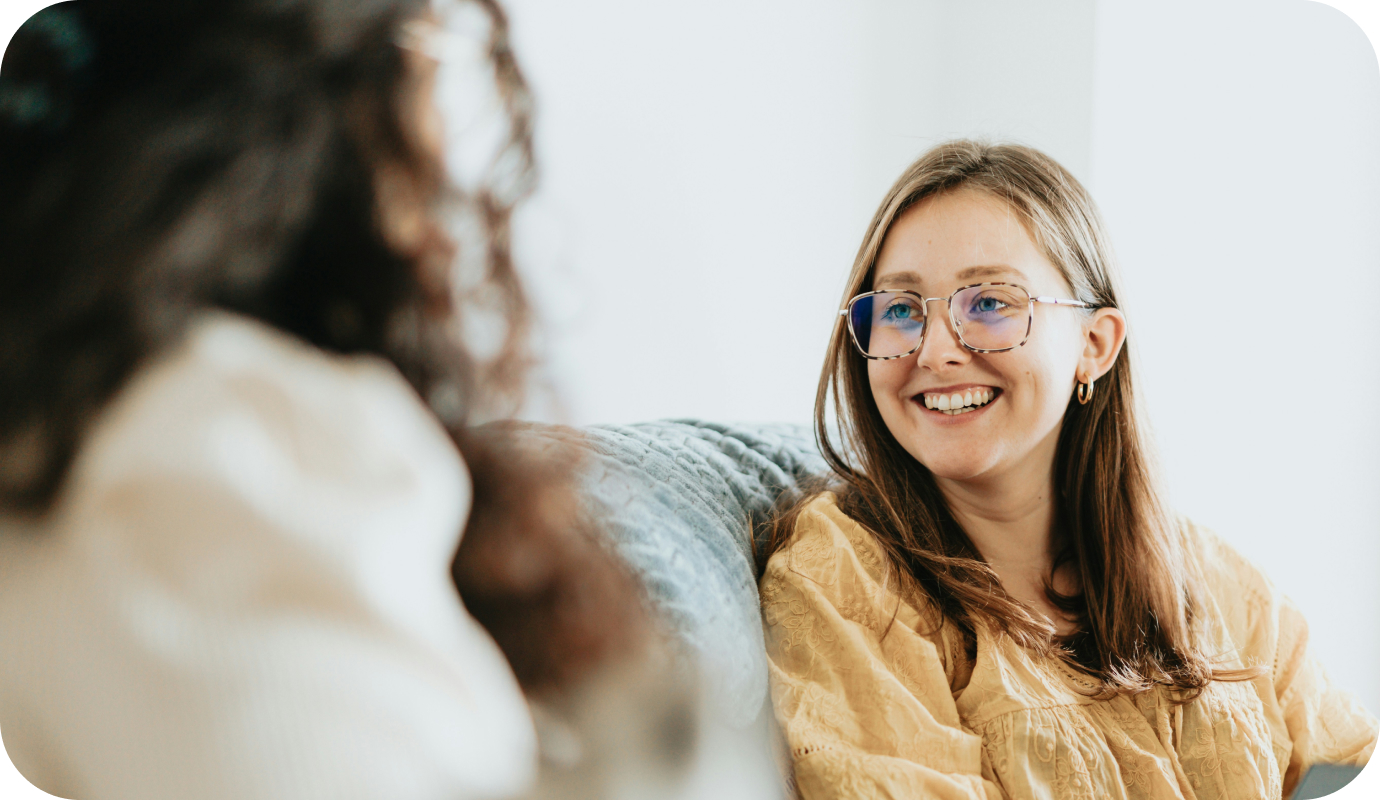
column 1236, row 157
column 708, row 161
column 710, row 167
column 693, row 154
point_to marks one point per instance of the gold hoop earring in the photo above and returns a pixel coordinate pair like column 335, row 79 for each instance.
column 1085, row 391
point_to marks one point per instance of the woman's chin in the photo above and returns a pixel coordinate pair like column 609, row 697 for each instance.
column 958, row 466
column 959, row 474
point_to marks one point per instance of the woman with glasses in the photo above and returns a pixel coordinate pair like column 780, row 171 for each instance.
column 993, row 600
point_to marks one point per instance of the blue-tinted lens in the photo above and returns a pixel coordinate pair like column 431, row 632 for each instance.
column 992, row 317
column 887, row 324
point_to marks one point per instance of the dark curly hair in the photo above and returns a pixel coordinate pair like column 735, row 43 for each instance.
column 161, row 157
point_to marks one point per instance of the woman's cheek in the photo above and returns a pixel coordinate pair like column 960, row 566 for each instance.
column 887, row 378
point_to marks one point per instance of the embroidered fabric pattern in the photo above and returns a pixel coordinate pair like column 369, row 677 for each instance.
column 902, row 716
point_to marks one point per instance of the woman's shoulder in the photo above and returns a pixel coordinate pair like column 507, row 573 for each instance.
column 250, row 516
column 831, row 559
column 236, row 395
column 836, row 559
column 1225, row 569
column 242, row 428
column 1245, row 600
column 823, row 540
column 227, row 363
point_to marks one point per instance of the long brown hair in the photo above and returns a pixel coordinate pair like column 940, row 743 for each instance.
column 160, row 158
column 1138, row 594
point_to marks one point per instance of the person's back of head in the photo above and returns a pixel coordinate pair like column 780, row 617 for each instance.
column 160, row 159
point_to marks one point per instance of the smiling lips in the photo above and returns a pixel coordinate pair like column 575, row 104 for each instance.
column 958, row 402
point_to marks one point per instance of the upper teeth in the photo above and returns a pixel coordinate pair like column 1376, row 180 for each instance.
column 959, row 401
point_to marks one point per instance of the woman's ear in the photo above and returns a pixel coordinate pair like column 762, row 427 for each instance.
column 1103, row 337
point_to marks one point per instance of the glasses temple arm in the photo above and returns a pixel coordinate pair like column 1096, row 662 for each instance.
column 1061, row 302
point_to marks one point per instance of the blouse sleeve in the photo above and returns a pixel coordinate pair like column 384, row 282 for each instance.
column 1326, row 724
column 865, row 705
column 245, row 593
column 1312, row 721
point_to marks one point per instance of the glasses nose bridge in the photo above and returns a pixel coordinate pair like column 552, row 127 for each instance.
column 927, row 300
column 929, row 321
column 948, row 309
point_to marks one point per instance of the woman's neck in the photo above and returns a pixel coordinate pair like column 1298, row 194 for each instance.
column 1010, row 519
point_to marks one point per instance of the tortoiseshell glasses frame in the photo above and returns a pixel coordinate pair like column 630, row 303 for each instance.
column 1009, row 291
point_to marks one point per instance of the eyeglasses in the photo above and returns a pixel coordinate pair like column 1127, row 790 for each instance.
column 987, row 317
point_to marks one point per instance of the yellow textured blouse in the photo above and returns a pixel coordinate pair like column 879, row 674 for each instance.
column 909, row 715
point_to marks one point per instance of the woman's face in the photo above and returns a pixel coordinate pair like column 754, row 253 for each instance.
column 946, row 242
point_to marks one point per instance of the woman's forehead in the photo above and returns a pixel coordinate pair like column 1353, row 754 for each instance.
column 959, row 238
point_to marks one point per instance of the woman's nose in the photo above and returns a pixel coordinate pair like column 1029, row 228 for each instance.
column 940, row 347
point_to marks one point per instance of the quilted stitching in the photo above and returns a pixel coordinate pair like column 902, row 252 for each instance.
column 680, row 500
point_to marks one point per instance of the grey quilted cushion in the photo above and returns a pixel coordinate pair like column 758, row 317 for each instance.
column 681, row 500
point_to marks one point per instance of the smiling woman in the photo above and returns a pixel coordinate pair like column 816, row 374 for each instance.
column 994, row 600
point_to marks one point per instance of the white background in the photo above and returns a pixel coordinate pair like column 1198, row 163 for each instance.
column 699, row 152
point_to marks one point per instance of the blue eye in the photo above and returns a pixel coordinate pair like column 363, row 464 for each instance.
column 901, row 315
column 988, row 304
column 897, row 311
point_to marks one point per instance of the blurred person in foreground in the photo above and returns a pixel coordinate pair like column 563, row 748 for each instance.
column 236, row 416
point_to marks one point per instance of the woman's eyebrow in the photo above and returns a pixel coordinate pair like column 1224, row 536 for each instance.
column 966, row 274
column 909, row 278
column 990, row 271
